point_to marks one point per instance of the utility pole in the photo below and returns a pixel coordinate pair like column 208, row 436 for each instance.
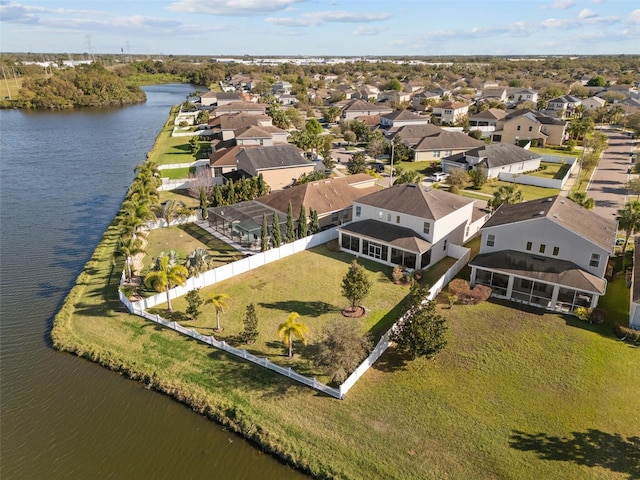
column 6, row 83
column 391, row 173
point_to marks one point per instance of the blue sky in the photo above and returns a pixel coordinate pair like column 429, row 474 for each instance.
column 322, row 27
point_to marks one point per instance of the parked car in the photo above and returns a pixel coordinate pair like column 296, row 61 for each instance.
column 439, row 176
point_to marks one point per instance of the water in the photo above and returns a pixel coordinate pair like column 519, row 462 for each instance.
column 62, row 178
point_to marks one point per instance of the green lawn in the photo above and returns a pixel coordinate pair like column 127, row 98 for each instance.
column 184, row 239
column 555, row 171
column 179, row 195
column 553, row 151
column 528, row 191
column 516, row 394
column 177, row 173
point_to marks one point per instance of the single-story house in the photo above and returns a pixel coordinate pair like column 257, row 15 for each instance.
column 494, row 158
column 400, row 118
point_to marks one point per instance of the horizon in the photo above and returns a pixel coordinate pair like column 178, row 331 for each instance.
column 312, row 28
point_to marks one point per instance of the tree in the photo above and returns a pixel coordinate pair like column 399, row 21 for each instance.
column 250, row 332
column 633, row 186
column 458, row 179
column 478, row 177
column 629, row 221
column 355, row 284
column 393, row 84
column 128, row 247
column 302, row 222
column 324, row 150
column 290, row 236
column 421, row 331
column 596, row 81
column 198, row 262
column 581, row 199
column 477, row 134
column 194, row 145
column 172, row 209
column 406, row 176
column 505, row 194
column 332, row 113
column 166, row 277
column 342, row 348
column 194, row 302
column 264, row 234
column 349, row 137
column 633, row 122
column 376, row 145
column 313, row 127
column 219, row 302
column 357, row 163
column 315, row 222
column 292, row 328
column 276, row 236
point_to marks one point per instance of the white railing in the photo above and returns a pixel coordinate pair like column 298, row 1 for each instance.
column 249, row 263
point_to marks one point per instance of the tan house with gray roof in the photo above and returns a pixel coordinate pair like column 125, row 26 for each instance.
column 551, row 253
column 280, row 165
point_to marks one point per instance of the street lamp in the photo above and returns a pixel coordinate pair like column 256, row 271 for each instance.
column 391, row 173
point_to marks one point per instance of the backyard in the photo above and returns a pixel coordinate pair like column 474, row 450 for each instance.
column 517, row 393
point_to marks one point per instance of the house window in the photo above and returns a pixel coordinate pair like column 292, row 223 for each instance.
column 334, row 217
column 398, row 219
column 358, row 211
column 543, row 247
column 595, row 260
column 388, row 217
column 530, row 128
column 444, row 245
column 491, row 240
column 518, row 128
column 436, row 154
column 529, row 246
column 556, row 250
column 426, row 228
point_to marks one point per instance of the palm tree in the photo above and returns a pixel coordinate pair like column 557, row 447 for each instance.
column 219, row 304
column 292, row 327
column 505, row 194
column 406, row 176
column 581, row 199
column 198, row 262
column 629, row 221
column 166, row 277
column 171, row 209
column 128, row 247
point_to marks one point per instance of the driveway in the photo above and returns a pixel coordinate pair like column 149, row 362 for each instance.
column 607, row 186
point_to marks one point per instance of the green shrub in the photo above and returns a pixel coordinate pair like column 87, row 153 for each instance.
column 627, row 334
column 467, row 295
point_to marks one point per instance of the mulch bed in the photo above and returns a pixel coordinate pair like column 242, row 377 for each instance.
column 353, row 313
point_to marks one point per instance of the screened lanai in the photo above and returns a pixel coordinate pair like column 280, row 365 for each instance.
column 242, row 222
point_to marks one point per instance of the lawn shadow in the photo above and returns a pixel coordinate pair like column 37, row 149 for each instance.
column 305, row 309
column 391, row 361
column 592, row 448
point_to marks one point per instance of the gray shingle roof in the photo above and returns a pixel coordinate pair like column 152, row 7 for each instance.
column 399, row 237
column 587, row 224
column 277, row 156
column 412, row 199
column 497, row 155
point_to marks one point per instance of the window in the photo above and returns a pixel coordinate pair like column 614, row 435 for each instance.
column 518, row 128
column 491, row 240
column 543, row 247
column 358, row 211
column 426, row 228
column 334, row 217
column 444, row 245
column 398, row 219
column 529, row 246
column 388, row 217
column 530, row 128
column 436, row 154
column 595, row 260
column 556, row 250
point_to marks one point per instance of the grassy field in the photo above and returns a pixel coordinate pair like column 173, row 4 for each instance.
column 11, row 87
column 554, row 171
column 552, row 151
column 516, row 394
column 529, row 192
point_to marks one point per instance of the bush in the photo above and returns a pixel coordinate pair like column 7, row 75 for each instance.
column 397, row 275
column 467, row 295
column 627, row 334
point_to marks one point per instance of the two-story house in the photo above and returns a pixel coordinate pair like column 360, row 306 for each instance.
column 529, row 125
column 409, row 225
column 563, row 106
column 400, row 118
column 280, row 165
column 486, row 121
column 450, row 112
column 551, row 253
column 359, row 108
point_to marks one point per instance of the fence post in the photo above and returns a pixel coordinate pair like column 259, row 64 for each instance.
column 157, row 318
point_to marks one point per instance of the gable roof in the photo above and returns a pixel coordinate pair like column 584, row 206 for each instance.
column 415, row 200
column 412, row 134
column 489, row 114
column 452, row 105
column 235, row 121
column 499, row 154
column 357, row 105
column 400, row 237
column 562, row 211
column 448, row 140
column 404, row 115
column 324, row 196
column 271, row 157
column 534, row 116
column 224, row 157
column 241, row 106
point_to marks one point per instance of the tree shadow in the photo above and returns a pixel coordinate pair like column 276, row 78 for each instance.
column 592, row 448
column 391, row 361
column 305, row 309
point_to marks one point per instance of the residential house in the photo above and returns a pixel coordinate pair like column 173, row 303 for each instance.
column 219, row 98
column 551, row 253
column 420, row 101
column 280, row 165
column 223, row 159
column 358, row 108
column 430, row 142
column 518, row 95
column 450, row 112
column 367, row 93
column 530, row 125
column 332, row 198
column 282, row 87
column 249, row 108
column 209, row 98
column 486, row 121
column 242, row 81
column 593, row 103
column 229, row 124
column 495, row 94
column 286, row 99
column 408, row 225
column 400, row 118
column 261, row 135
column 563, row 106
column 393, row 96
column 494, row 159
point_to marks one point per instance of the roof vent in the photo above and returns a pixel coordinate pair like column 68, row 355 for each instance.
column 550, row 199
column 541, row 212
column 555, row 215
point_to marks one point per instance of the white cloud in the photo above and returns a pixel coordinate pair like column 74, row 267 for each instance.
column 586, row 13
column 634, row 16
column 368, row 30
column 562, row 4
column 232, row 8
column 318, row 18
column 598, row 1
column 556, row 23
column 13, row 12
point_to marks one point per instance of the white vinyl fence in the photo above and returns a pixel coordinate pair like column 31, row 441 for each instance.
column 541, row 181
column 241, row 266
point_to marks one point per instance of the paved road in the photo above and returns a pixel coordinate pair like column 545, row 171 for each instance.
column 607, row 185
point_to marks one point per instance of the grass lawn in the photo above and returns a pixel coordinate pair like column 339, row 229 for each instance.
column 554, row 171
column 552, row 151
column 11, row 87
column 170, row 150
column 184, row 239
column 529, row 192
column 425, row 168
column 181, row 196
column 177, row 173
column 516, row 393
